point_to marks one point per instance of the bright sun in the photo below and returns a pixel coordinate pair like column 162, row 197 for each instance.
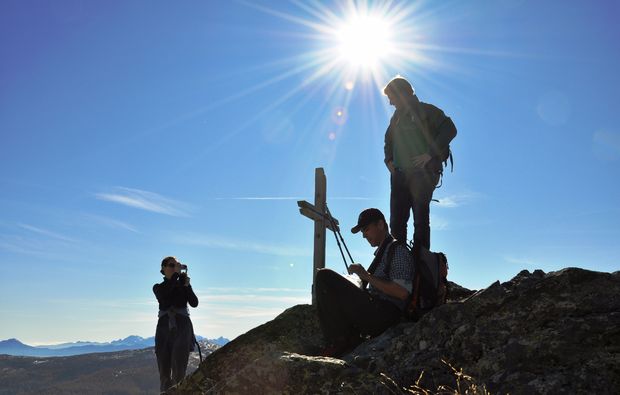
column 364, row 41
column 353, row 43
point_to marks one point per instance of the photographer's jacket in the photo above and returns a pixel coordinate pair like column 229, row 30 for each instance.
column 172, row 293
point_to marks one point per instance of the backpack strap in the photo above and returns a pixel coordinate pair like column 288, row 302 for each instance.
column 391, row 250
column 375, row 262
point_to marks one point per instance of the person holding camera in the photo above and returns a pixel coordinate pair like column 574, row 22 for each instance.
column 174, row 336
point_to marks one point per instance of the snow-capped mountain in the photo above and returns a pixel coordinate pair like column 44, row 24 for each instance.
column 17, row 348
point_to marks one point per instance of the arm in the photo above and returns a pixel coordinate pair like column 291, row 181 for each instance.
column 387, row 287
column 192, row 299
column 387, row 149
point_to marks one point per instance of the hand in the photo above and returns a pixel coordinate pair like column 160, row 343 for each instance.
column 356, row 268
column 186, row 284
column 421, row 160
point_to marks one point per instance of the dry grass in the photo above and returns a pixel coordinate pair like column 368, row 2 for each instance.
column 464, row 385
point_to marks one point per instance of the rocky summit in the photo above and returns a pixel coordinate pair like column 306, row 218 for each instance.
column 538, row 333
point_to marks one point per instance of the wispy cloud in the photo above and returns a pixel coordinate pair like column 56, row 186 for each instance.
column 145, row 200
column 109, row 222
column 46, row 233
column 457, row 199
column 255, row 289
column 352, row 198
column 231, row 311
column 16, row 245
column 45, row 248
column 254, row 297
column 262, row 198
column 246, row 312
column 291, row 198
column 289, row 300
column 241, row 245
column 111, row 304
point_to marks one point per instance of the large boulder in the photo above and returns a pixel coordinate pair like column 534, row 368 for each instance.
column 537, row 333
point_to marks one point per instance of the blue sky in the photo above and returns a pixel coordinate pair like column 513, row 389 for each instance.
column 130, row 131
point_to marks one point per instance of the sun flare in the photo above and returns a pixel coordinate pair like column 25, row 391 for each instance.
column 364, row 41
column 347, row 49
column 359, row 41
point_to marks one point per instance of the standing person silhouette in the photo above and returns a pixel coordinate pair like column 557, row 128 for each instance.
column 174, row 336
column 416, row 143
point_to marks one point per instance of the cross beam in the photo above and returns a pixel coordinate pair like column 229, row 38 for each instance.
column 308, row 210
column 322, row 220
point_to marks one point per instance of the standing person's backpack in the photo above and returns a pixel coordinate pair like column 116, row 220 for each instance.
column 430, row 135
column 430, row 281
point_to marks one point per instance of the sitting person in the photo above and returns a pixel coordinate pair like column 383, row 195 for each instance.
column 347, row 312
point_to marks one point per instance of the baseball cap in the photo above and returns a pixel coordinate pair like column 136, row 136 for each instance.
column 367, row 217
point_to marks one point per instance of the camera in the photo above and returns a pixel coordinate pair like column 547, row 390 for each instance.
column 182, row 274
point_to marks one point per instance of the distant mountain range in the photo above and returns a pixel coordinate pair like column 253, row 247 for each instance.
column 16, row 348
column 126, row 372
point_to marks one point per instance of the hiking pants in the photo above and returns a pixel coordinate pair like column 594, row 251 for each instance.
column 172, row 347
column 346, row 311
column 412, row 190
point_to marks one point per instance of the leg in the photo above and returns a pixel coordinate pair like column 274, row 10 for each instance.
column 180, row 349
column 379, row 315
column 422, row 186
column 333, row 294
column 400, row 206
column 345, row 311
column 163, row 354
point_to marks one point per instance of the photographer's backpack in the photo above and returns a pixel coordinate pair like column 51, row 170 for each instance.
column 430, row 281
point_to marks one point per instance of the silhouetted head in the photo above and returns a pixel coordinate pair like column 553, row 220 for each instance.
column 170, row 265
column 399, row 91
column 373, row 226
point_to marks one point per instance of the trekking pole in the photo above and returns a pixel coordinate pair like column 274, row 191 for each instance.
column 331, row 220
column 341, row 253
column 337, row 233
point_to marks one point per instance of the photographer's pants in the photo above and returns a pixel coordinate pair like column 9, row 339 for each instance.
column 346, row 311
column 172, row 347
column 412, row 190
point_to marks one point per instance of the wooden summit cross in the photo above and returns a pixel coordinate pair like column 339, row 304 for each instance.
column 318, row 213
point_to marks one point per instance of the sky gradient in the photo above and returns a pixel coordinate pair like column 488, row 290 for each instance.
column 133, row 130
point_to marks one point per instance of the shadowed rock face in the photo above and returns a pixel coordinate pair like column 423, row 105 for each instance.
column 537, row 333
